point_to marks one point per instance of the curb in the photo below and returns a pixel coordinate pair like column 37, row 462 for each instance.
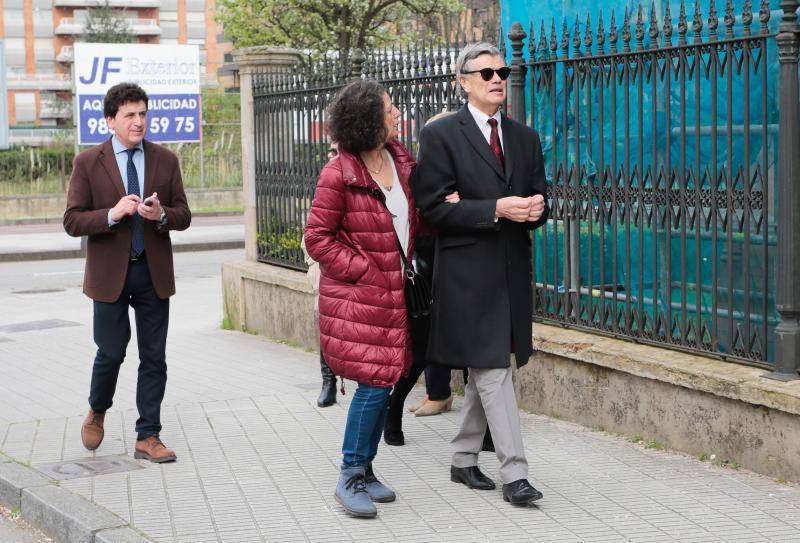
column 78, row 253
column 58, row 512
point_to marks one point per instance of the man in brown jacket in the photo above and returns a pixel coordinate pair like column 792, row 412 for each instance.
column 126, row 194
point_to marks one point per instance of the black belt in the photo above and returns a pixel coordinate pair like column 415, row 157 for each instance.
column 136, row 258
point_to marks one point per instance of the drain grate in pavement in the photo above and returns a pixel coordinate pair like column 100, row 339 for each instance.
column 36, row 325
column 38, row 291
column 87, row 467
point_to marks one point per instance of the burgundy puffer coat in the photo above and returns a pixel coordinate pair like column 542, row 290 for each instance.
column 364, row 332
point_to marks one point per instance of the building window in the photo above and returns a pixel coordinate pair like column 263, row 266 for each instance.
column 15, row 51
column 196, row 31
column 44, row 51
column 14, row 23
column 169, row 29
column 169, row 5
column 43, row 24
column 196, row 5
column 25, row 105
column 167, row 15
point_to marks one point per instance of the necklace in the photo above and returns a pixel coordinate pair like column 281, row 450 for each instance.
column 374, row 172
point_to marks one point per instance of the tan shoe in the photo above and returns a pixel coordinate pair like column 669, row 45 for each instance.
column 432, row 407
column 92, row 430
column 413, row 408
column 152, row 449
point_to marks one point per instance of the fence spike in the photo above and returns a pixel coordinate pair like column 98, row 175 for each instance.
column 626, row 31
column 612, row 34
column 531, row 42
column 747, row 16
column 553, row 39
column 601, row 35
column 587, row 36
column 639, row 28
column 697, row 23
column 653, row 30
column 543, row 50
column 667, row 27
column 501, row 43
column 730, row 19
column 565, row 39
column 763, row 16
column 576, row 38
column 683, row 26
column 713, row 21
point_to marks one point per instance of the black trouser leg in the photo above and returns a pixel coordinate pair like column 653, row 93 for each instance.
column 112, row 332
column 399, row 395
column 152, row 324
column 327, row 395
column 437, row 382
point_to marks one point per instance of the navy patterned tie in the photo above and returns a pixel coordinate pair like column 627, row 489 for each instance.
column 137, row 246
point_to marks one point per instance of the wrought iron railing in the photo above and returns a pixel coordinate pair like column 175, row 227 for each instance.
column 665, row 169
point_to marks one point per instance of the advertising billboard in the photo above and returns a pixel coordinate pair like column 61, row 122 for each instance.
column 170, row 74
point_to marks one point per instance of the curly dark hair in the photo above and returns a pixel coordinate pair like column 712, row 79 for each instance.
column 356, row 116
column 120, row 94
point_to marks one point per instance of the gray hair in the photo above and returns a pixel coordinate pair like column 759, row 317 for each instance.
column 471, row 52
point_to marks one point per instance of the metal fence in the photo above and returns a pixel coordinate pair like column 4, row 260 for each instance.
column 661, row 141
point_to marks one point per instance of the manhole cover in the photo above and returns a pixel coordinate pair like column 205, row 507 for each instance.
column 38, row 291
column 36, row 325
column 87, row 467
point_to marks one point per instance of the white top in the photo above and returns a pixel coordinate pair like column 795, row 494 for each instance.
column 483, row 123
column 397, row 203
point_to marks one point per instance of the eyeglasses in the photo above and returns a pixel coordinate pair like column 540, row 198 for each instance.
column 488, row 73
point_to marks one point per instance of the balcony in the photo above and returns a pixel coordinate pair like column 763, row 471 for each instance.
column 111, row 3
column 70, row 26
column 54, row 82
column 66, row 55
column 39, row 136
column 52, row 107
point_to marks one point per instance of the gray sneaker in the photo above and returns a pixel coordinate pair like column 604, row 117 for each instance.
column 351, row 493
column 378, row 492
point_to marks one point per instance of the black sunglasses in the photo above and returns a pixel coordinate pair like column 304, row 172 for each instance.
column 488, row 73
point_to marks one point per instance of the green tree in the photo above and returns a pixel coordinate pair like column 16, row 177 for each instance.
column 326, row 25
column 105, row 25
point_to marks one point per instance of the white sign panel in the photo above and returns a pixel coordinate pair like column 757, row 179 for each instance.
column 170, row 74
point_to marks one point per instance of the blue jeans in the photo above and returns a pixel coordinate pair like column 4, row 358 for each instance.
column 364, row 428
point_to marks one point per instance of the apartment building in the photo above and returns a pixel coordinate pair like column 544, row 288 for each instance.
column 39, row 35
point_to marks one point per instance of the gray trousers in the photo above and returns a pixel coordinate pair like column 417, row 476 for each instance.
column 489, row 399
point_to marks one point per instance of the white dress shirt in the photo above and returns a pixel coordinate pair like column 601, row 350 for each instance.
column 482, row 119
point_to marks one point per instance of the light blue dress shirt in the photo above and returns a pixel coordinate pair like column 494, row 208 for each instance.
column 122, row 163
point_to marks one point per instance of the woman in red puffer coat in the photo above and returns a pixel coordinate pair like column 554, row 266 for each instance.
column 362, row 213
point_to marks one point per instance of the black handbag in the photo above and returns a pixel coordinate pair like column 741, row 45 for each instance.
column 417, row 289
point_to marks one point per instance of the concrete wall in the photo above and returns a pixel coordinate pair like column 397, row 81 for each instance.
column 51, row 206
column 687, row 403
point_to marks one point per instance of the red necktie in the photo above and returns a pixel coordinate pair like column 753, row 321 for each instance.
column 494, row 141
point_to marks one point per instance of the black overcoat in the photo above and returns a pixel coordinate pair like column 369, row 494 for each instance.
column 482, row 278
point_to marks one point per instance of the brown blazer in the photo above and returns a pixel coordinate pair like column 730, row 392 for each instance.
column 95, row 187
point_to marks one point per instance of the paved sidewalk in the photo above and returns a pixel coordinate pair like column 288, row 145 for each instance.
column 48, row 241
column 258, row 460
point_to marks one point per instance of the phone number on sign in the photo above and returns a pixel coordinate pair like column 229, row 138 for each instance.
column 157, row 125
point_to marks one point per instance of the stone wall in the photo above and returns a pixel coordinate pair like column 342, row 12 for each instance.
column 51, row 206
column 684, row 402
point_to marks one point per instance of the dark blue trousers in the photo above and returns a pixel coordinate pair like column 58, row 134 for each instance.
column 112, row 332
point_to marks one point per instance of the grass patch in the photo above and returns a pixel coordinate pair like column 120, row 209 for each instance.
column 636, row 439
column 226, row 323
column 16, row 513
column 704, row 457
column 726, row 463
column 653, row 444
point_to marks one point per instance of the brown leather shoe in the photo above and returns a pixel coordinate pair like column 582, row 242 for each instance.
column 92, row 430
column 151, row 448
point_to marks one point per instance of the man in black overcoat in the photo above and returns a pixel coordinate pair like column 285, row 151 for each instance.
column 483, row 299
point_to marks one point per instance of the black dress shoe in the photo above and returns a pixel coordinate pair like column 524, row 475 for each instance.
column 472, row 477
column 393, row 437
column 520, row 492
